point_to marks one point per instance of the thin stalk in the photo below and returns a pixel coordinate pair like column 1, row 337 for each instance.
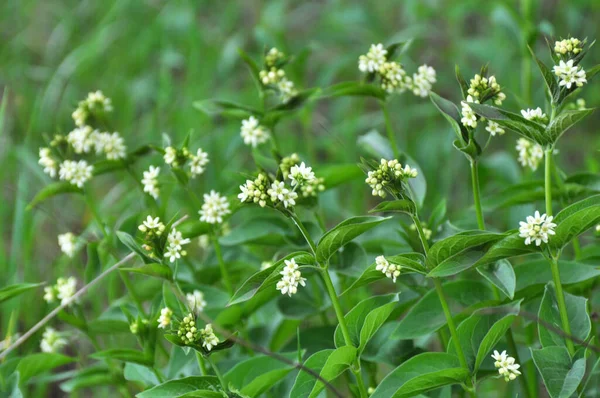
column 336, row 306
column 548, row 179
column 304, row 232
column 218, row 373
column 91, row 203
column 562, row 306
column 160, row 377
column 201, row 364
column 389, row 129
column 132, row 293
column 476, row 195
column 224, row 271
column 513, row 347
column 361, row 384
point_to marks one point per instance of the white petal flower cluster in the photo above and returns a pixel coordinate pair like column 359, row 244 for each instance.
column 152, row 226
column 111, row 144
column 64, row 289
column 287, row 163
column 482, row 88
column 94, row 104
column 388, row 172
column 196, row 301
column 469, row 118
column 175, row 242
column 313, row 187
column 52, row 341
column 570, row 74
column 290, row 278
column 179, row 158
column 274, row 75
column 75, row 172
column 281, row 194
column 422, row 81
column 170, row 156
column 82, row 139
column 150, row 181
column 48, row 162
column 68, row 243
column 197, row 162
column 392, row 271
column 494, row 128
column 215, row 207
column 530, row 153
column 537, row 228
column 426, row 231
column 253, row 133
column 255, row 191
column 300, row 174
column 188, row 331
column 393, row 77
column 164, row 319
column 506, row 365
column 209, row 339
column 571, row 46
column 535, row 115
column 373, row 60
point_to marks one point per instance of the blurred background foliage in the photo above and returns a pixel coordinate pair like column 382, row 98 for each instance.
column 155, row 58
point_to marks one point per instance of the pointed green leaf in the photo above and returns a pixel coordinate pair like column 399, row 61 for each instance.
column 180, row 387
column 395, row 206
column 564, row 121
column 133, row 245
column 561, row 375
column 347, row 89
column 574, row 220
column 125, row 355
column 51, row 190
column 256, row 375
column 11, row 291
column 452, row 114
column 35, row 364
column 502, row 275
column 156, row 270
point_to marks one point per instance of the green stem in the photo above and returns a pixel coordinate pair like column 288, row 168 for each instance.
column 389, row 129
column 158, row 375
column 92, row 206
column 361, row 385
column 303, row 231
column 548, row 179
column 515, row 353
column 476, row 195
column 201, row 364
column 224, row 272
column 219, row 376
column 336, row 305
column 451, row 325
column 419, row 228
column 132, row 293
column 562, row 306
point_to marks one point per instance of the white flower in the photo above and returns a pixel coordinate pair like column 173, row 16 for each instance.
column 67, row 243
column 49, row 294
column 494, row 128
column 175, row 243
column 300, row 174
column 52, row 341
column 393, row 77
column 253, row 133
column 255, row 191
column 389, row 171
column 170, row 155
column 215, row 207
column 150, row 181
column 291, row 277
column 530, row 153
column 65, row 288
column 373, row 60
column 598, row 228
column 286, row 89
column 469, row 119
column 534, row 114
column 536, row 228
column 209, row 339
column 152, row 226
column 81, row 139
column 279, row 193
column 75, row 172
column 390, row 270
column 423, row 80
column 196, row 300
column 98, row 101
column 198, row 162
column 570, row 74
column 164, row 319
column 506, row 365
column 46, row 160
column 572, row 45
column 112, row 145
column 271, row 76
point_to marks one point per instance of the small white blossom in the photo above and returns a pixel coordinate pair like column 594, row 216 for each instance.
column 291, row 277
column 209, row 339
column 393, row 77
column 570, row 74
column 537, row 228
column 373, row 60
column 506, row 365
column 279, row 193
column 49, row 294
column 65, row 288
column 534, row 114
column 271, row 76
column 286, row 89
column 422, row 81
column 215, row 207
column 390, row 270
column 46, row 160
column 253, row 133
column 75, row 172
column 82, row 139
column 255, row 191
column 530, row 153
column 164, row 319
column 494, row 128
column 52, row 341
column 150, row 181
column 152, row 226
column 170, row 155
column 198, row 162
column 388, row 172
column 300, row 174
column 469, row 119
column 196, row 300
column 67, row 243
column 112, row 145
column 175, row 242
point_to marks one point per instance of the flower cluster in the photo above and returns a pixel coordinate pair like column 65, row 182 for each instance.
column 253, row 133
column 164, row 319
column 153, row 229
column 94, row 105
column 274, row 76
column 255, row 191
column 482, row 88
column 570, row 74
column 64, row 289
column 137, row 326
column 388, row 173
column 535, row 115
column 426, row 231
column 392, row 271
column 68, row 243
column 287, row 163
column 175, row 242
column 214, row 208
column 178, row 158
column 48, row 162
column 393, row 77
column 494, row 128
column 52, row 341
column 75, row 172
column 209, row 339
column 469, row 118
column 530, row 153
column 506, row 365
column 196, row 301
column 290, row 278
column 568, row 47
column 537, row 228
column 150, row 181
column 279, row 193
column 188, row 331
column 301, row 175
column 422, row 81
column 373, row 60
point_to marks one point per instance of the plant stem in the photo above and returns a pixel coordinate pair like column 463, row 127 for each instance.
column 419, row 228
column 219, row 376
column 389, row 129
column 304, row 232
column 451, row 325
column 224, row 272
column 476, row 195
column 91, row 203
column 562, row 306
column 336, row 305
column 548, row 179
column 201, row 364
column 132, row 293
column 515, row 353
column 361, row 385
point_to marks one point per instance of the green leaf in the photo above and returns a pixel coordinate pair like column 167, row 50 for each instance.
column 510, row 246
column 574, row 220
column 549, row 77
column 132, row 245
column 517, row 123
column 396, row 206
column 256, row 375
column 193, row 228
column 564, row 121
column 140, row 374
column 412, row 262
column 254, row 69
column 459, row 252
column 226, row 109
column 343, row 233
column 452, row 114
column 579, row 319
column 502, row 275
column 561, row 375
column 51, row 190
column 421, row 373
column 427, row 316
column 270, row 231
column 294, row 103
column 346, row 89
column 155, row 269
column 8, row 292
column 464, row 86
column 94, row 263
column 538, row 272
column 338, row 174
column 267, row 278
column 365, row 319
column 87, row 378
column 180, row 387
column 125, row 355
column 35, row 364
